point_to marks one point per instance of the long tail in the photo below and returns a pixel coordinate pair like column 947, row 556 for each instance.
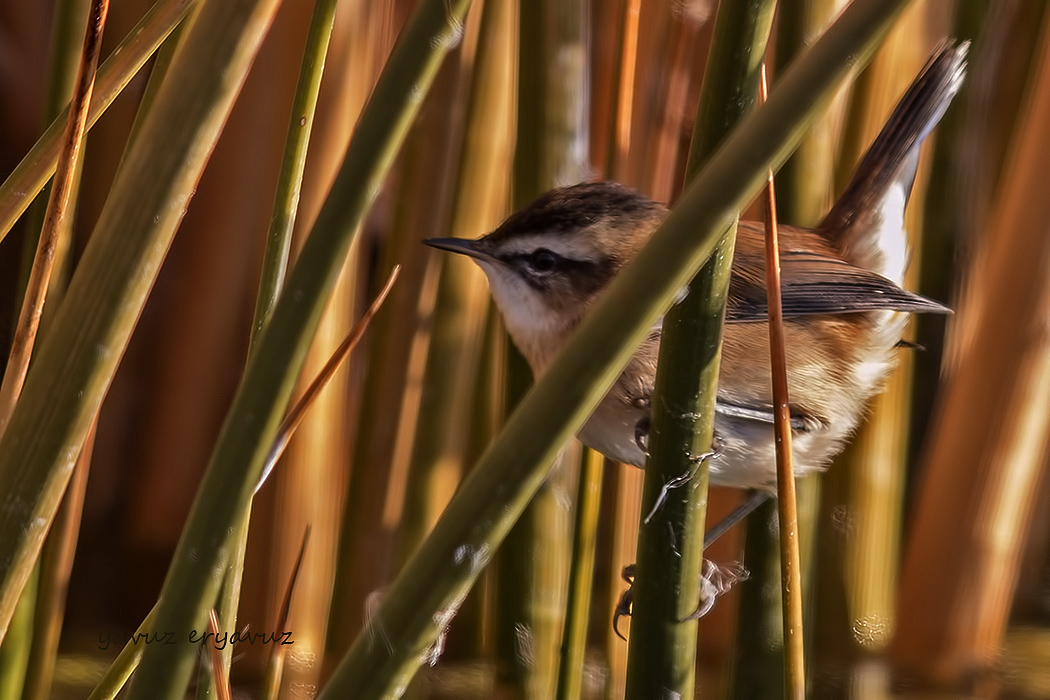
column 866, row 224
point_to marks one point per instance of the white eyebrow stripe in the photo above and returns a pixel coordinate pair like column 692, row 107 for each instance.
column 572, row 247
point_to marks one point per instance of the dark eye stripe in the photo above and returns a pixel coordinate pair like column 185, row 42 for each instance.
column 586, row 276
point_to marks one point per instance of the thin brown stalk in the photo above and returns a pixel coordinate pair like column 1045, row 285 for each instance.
column 275, row 664
column 296, row 414
column 57, row 206
column 626, row 482
column 790, row 566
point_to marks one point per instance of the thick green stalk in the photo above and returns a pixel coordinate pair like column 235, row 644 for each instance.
column 293, row 164
column 416, row 607
column 662, row 652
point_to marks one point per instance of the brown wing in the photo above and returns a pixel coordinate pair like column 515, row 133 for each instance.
column 814, row 280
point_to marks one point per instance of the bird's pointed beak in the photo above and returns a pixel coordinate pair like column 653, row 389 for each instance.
column 463, row 246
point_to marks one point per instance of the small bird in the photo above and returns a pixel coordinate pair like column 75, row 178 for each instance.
column 843, row 304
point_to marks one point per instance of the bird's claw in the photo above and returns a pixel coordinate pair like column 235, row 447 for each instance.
column 718, row 446
column 623, row 605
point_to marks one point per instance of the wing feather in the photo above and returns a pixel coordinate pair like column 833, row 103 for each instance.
column 814, row 281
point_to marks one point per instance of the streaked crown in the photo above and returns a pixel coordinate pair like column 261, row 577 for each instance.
column 548, row 262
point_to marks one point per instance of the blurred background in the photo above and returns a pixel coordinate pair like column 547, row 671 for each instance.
column 925, row 546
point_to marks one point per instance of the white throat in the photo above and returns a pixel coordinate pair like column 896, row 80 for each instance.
column 537, row 332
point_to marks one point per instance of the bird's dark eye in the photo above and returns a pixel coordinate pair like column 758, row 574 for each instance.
column 543, row 260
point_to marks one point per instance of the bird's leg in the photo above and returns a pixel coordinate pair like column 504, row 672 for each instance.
column 743, row 510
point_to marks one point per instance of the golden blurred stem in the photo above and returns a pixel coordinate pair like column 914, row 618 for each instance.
column 623, row 90
column 806, row 182
column 581, row 576
column 383, row 494
column 972, row 144
column 663, row 168
column 863, row 490
column 983, row 467
column 447, row 403
column 362, row 539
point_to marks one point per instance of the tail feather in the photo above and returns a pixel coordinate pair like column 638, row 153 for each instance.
column 866, row 223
